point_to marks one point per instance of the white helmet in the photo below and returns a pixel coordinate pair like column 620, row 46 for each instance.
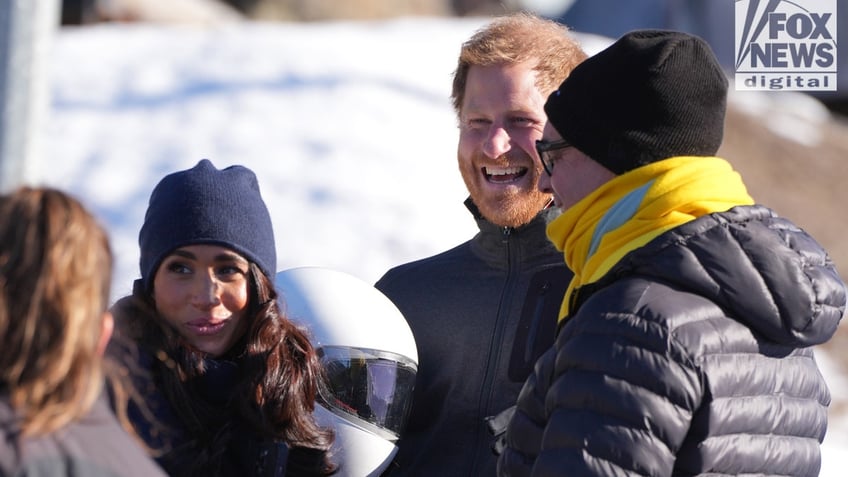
column 369, row 357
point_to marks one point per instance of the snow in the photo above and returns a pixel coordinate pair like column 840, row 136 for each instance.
column 791, row 115
column 348, row 126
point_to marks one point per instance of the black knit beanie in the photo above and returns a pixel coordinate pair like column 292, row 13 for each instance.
column 651, row 95
column 204, row 205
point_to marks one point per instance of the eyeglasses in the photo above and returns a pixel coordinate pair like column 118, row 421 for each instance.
column 546, row 146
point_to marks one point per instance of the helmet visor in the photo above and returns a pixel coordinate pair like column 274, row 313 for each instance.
column 370, row 387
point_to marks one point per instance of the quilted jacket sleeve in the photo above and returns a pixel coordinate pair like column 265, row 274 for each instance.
column 616, row 396
column 524, row 434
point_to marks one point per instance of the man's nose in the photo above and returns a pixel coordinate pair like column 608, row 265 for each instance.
column 497, row 142
column 544, row 184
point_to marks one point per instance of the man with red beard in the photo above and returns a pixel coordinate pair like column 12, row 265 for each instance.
column 483, row 312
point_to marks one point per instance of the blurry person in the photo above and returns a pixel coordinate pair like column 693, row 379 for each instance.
column 483, row 312
column 686, row 335
column 55, row 276
column 231, row 382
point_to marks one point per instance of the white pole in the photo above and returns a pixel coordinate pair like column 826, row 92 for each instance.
column 26, row 30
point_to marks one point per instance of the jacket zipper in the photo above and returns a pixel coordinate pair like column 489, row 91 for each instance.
column 507, row 293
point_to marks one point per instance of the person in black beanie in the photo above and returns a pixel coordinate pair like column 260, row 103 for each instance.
column 684, row 344
column 224, row 383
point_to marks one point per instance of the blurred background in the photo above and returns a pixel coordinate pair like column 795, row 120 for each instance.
column 709, row 19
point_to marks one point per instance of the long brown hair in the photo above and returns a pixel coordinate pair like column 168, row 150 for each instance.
column 275, row 395
column 55, row 275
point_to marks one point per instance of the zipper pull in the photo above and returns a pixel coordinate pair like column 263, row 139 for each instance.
column 506, row 232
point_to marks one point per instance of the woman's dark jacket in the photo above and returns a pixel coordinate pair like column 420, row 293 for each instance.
column 692, row 356
column 159, row 425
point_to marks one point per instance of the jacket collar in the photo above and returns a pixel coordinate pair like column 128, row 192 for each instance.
column 494, row 243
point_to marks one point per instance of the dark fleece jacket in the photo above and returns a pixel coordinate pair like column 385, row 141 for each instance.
column 481, row 314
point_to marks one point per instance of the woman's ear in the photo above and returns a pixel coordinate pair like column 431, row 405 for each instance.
column 106, row 328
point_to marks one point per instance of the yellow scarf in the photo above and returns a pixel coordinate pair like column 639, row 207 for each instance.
column 632, row 209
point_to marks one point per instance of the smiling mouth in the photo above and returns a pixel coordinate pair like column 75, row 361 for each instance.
column 206, row 327
column 504, row 175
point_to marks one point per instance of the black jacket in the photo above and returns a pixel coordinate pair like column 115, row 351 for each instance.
column 481, row 314
column 94, row 446
column 692, row 356
column 247, row 454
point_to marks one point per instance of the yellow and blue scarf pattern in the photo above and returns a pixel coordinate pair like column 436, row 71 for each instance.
column 632, row 209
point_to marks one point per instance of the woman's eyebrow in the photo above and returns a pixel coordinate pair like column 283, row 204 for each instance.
column 229, row 257
column 184, row 253
column 221, row 257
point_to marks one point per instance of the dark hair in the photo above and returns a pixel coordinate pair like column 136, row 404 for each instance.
column 274, row 397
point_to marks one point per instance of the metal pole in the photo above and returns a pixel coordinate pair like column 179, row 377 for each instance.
column 26, row 28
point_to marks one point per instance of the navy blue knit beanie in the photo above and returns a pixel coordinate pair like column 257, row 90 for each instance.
column 651, row 95
column 204, row 205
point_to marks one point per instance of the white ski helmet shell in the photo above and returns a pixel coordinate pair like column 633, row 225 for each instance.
column 369, row 357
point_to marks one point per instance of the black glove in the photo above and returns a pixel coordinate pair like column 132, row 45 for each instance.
column 497, row 427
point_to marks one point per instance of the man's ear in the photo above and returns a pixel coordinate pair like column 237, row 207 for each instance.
column 106, row 329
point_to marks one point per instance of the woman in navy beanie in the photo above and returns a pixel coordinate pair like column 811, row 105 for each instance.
column 225, row 384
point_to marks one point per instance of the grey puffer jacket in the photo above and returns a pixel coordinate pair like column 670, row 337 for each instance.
column 93, row 446
column 692, row 356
